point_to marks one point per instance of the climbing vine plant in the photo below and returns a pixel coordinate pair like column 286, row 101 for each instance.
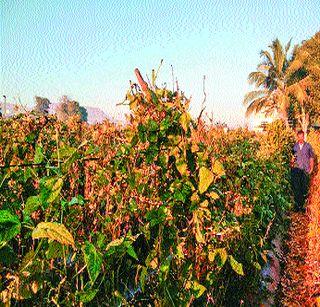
column 164, row 210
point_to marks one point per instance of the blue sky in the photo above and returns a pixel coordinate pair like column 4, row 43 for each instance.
column 89, row 49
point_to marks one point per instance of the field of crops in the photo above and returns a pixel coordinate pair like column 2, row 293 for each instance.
column 165, row 210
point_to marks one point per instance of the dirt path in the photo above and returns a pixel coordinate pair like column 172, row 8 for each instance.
column 292, row 282
column 300, row 281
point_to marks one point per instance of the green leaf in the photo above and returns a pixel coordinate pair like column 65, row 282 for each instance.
column 93, row 260
column 76, row 200
column 27, row 174
column 53, row 231
column 38, row 156
column 116, row 242
column 185, row 120
column 9, row 226
column 142, row 133
column 6, row 217
column 156, row 216
column 236, row 266
column 218, row 169
column 196, row 287
column 152, row 137
column 205, row 179
column 182, row 167
column 32, row 204
column 222, row 254
column 50, row 188
column 56, row 189
column 257, row 265
column 87, row 296
column 143, row 276
column 165, row 266
column 131, row 252
column 152, row 125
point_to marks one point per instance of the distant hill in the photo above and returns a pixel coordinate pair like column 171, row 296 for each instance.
column 95, row 115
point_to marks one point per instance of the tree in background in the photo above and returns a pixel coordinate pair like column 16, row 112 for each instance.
column 42, row 105
column 84, row 114
column 305, row 88
column 288, row 85
column 272, row 82
column 67, row 108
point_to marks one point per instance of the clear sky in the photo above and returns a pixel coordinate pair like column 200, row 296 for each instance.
column 89, row 49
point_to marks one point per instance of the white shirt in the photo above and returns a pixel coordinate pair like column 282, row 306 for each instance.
column 301, row 145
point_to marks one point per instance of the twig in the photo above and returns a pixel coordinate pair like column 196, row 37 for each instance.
column 268, row 229
column 204, row 99
column 156, row 75
column 172, row 78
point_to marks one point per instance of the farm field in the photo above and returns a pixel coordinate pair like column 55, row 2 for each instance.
column 164, row 210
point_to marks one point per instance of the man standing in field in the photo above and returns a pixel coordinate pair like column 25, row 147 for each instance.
column 302, row 165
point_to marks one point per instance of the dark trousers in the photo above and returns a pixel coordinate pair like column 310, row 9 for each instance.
column 300, row 187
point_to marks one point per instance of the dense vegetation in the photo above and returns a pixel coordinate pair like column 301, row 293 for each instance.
column 164, row 210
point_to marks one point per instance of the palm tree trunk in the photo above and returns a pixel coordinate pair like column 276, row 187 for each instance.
column 304, row 121
column 286, row 121
column 284, row 116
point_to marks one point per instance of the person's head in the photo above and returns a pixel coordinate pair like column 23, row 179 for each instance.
column 300, row 136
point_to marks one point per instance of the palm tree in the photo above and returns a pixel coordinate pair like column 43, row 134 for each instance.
column 271, row 81
column 304, row 83
column 299, row 91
